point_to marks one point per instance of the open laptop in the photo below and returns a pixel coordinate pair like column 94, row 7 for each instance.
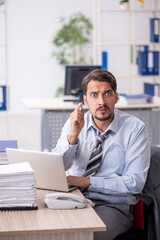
column 49, row 168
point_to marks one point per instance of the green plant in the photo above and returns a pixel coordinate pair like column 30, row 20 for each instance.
column 124, row 1
column 59, row 91
column 71, row 38
column 1, row 2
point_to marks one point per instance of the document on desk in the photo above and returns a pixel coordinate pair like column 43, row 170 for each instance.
column 17, row 185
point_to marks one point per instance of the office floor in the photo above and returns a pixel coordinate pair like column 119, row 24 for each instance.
column 24, row 128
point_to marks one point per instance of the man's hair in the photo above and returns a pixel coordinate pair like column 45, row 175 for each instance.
column 101, row 76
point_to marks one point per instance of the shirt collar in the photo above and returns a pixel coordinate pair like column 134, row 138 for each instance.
column 90, row 123
column 113, row 125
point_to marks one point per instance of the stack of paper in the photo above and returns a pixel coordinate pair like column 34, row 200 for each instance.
column 17, row 185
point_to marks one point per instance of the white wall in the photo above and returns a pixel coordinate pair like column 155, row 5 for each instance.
column 33, row 72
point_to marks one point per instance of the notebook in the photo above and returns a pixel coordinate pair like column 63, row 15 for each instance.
column 49, row 168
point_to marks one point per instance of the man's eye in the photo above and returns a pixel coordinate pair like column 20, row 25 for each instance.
column 93, row 94
column 108, row 93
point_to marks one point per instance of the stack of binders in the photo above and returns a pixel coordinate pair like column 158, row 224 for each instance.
column 148, row 61
column 17, row 187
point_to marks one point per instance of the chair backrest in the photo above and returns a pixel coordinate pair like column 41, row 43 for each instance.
column 138, row 214
column 151, row 197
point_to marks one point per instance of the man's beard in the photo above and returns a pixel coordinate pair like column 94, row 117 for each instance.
column 103, row 118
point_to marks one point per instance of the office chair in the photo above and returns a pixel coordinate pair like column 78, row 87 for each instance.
column 147, row 214
column 139, row 229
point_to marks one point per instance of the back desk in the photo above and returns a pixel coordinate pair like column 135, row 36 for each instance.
column 47, row 224
column 55, row 112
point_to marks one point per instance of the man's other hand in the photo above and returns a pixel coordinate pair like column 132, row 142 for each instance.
column 82, row 182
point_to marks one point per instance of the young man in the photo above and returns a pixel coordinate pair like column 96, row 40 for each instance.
column 122, row 170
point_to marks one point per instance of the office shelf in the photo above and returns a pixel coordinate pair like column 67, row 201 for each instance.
column 120, row 11
column 130, row 24
column 3, row 47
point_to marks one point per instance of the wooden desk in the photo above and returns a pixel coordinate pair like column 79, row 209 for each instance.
column 55, row 112
column 47, row 224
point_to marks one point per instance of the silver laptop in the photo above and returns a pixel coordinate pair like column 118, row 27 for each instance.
column 49, row 167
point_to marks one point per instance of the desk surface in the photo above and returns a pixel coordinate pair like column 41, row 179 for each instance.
column 59, row 104
column 45, row 220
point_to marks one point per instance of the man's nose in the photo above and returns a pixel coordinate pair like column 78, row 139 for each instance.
column 101, row 99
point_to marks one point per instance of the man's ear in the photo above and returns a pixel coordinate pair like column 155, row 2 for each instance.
column 116, row 98
column 85, row 100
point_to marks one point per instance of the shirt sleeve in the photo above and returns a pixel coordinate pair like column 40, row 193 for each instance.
column 137, row 162
column 64, row 148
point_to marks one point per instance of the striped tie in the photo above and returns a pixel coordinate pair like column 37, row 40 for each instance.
column 96, row 156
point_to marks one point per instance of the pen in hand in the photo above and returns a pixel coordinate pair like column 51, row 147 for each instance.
column 80, row 108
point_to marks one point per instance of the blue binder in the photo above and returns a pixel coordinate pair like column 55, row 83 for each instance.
column 104, row 60
column 154, row 29
column 7, row 144
column 152, row 89
column 3, row 93
column 154, row 69
column 3, row 145
column 142, row 62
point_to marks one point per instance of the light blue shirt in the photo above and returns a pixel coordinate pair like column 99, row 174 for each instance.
column 125, row 161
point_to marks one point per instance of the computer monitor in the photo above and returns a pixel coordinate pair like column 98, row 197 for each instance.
column 73, row 77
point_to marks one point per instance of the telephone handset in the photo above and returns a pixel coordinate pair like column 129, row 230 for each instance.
column 65, row 201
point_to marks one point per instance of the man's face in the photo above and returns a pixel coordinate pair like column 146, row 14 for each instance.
column 100, row 99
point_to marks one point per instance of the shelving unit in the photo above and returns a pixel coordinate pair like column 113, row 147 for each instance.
column 4, row 62
column 3, row 44
column 120, row 33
